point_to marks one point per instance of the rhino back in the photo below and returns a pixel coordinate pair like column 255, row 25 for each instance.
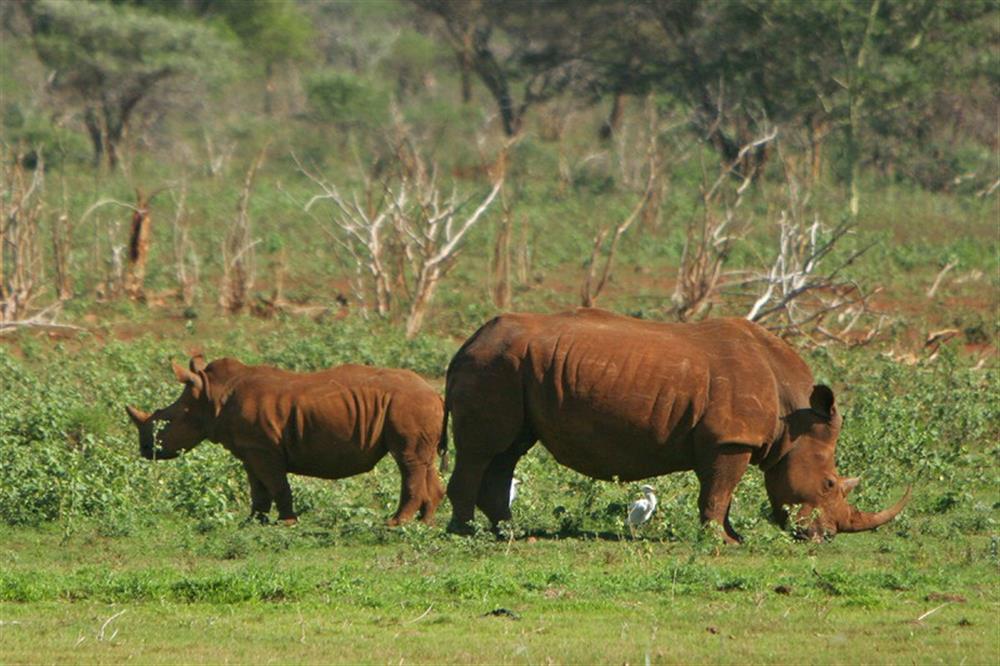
column 615, row 396
column 329, row 424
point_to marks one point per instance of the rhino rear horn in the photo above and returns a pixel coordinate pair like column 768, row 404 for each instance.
column 138, row 416
column 859, row 521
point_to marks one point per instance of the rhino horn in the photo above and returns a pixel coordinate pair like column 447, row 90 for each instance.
column 137, row 415
column 859, row 521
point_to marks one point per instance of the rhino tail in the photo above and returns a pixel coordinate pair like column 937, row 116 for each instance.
column 443, row 442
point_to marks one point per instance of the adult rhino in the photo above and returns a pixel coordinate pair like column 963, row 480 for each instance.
column 620, row 398
column 330, row 424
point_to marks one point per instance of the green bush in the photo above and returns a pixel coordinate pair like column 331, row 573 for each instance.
column 346, row 100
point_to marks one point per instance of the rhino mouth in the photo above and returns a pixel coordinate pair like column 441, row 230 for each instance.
column 156, row 453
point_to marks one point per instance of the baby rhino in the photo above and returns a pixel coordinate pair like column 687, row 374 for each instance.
column 330, row 424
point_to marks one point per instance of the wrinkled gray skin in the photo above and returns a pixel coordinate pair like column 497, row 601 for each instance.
column 619, row 398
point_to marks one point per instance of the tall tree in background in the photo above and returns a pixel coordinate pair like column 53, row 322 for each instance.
column 523, row 52
column 274, row 33
column 111, row 59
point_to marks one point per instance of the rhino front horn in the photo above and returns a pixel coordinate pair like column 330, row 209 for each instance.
column 137, row 415
column 859, row 521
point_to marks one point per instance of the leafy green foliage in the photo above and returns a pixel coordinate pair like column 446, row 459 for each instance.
column 346, row 100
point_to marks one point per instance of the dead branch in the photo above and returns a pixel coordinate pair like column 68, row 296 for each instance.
column 361, row 224
column 186, row 262
column 801, row 289
column 592, row 290
column 940, row 276
column 20, row 254
column 501, row 256
column 239, row 269
column 45, row 318
column 62, row 245
column 400, row 231
column 138, row 248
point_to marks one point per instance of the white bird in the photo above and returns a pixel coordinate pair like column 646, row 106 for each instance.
column 640, row 511
column 514, row 483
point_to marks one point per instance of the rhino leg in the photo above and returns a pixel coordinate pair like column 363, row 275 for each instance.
column 435, row 493
column 260, row 498
column 463, row 487
column 719, row 471
column 493, row 498
column 487, row 420
column 412, row 486
column 269, row 469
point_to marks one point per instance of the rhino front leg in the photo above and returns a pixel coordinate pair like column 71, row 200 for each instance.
column 269, row 469
column 719, row 471
column 260, row 498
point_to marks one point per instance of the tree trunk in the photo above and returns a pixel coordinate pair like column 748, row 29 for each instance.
column 423, row 293
column 501, row 263
column 465, row 66
column 269, row 89
column 614, row 121
column 138, row 252
column 96, row 135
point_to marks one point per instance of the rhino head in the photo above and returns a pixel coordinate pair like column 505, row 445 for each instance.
column 181, row 425
column 806, row 475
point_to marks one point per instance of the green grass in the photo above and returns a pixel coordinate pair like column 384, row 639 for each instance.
column 92, row 536
column 306, row 595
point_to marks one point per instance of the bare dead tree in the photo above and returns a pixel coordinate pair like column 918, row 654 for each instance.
column 238, row 256
column 940, row 277
column 709, row 237
column 138, row 244
column 804, row 287
column 522, row 253
column 63, row 226
column 113, row 263
column 187, row 265
column 402, row 234
column 501, row 255
column 592, row 285
column 433, row 233
column 138, row 248
column 362, row 224
column 217, row 157
column 20, row 254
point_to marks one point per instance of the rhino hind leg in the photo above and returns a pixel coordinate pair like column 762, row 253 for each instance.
column 412, row 488
column 435, row 493
column 463, row 487
column 719, row 471
column 488, row 421
column 493, row 498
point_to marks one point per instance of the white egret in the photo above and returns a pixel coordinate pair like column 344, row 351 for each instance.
column 640, row 511
column 514, row 483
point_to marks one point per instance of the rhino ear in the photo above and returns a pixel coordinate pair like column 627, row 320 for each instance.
column 850, row 483
column 197, row 363
column 822, row 401
column 193, row 379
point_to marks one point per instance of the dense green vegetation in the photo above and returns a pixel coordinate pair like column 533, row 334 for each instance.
column 874, row 119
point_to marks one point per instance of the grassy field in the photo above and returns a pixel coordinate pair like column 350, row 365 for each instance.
column 105, row 557
column 108, row 558
column 309, row 595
